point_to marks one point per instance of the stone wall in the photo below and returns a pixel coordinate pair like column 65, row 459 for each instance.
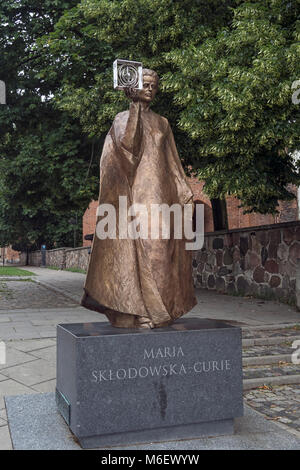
column 78, row 258
column 56, row 258
column 259, row 261
column 62, row 258
column 287, row 212
column 35, row 258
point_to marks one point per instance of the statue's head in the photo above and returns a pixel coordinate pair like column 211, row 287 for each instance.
column 150, row 86
column 149, row 90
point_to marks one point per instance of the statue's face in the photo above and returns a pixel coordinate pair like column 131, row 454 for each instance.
column 149, row 90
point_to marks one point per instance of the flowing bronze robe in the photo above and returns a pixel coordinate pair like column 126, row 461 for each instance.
column 128, row 278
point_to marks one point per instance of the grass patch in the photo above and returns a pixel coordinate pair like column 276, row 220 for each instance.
column 76, row 270
column 12, row 271
column 72, row 270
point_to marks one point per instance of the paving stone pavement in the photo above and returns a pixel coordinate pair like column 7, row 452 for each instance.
column 270, row 371
column 257, row 351
column 41, row 323
column 244, row 311
column 65, row 282
column 27, row 294
column 30, row 312
column 293, row 331
column 278, row 403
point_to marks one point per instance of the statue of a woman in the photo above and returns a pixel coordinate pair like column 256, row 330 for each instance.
column 141, row 282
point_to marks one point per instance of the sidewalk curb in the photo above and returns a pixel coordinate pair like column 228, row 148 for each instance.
column 269, row 340
column 248, row 384
column 280, row 326
column 263, row 360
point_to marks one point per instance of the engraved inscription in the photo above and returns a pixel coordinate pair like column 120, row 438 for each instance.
column 161, row 370
column 163, row 352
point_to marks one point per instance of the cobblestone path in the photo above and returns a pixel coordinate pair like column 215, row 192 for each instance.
column 27, row 294
column 257, row 351
column 254, row 372
column 279, row 403
column 284, row 332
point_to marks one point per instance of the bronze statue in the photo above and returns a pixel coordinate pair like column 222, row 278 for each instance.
column 141, row 282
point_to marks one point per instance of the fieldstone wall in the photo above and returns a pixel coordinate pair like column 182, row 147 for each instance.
column 56, row 258
column 78, row 258
column 259, row 261
column 62, row 258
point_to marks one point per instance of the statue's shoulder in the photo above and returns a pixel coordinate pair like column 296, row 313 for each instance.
column 162, row 121
column 120, row 122
column 123, row 116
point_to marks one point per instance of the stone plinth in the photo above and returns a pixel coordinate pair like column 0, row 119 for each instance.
column 120, row 386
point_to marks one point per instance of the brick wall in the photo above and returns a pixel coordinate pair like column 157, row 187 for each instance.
column 89, row 222
column 288, row 211
column 10, row 256
column 258, row 261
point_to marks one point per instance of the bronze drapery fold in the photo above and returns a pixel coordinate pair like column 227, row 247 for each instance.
column 127, row 278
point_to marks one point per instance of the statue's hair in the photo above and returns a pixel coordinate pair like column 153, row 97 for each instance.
column 151, row 73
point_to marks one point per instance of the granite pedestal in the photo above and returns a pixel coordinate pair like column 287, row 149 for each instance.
column 120, row 386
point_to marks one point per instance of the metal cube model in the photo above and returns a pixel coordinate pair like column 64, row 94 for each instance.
column 127, row 73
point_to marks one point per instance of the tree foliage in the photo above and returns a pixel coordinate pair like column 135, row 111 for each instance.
column 235, row 94
column 44, row 155
column 226, row 70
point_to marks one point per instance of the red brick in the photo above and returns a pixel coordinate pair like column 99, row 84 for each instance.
column 236, row 218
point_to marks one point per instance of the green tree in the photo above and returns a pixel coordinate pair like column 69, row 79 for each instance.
column 226, row 72
column 44, row 156
column 88, row 38
column 235, row 96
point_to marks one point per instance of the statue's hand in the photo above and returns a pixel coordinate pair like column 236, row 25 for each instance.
column 131, row 93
